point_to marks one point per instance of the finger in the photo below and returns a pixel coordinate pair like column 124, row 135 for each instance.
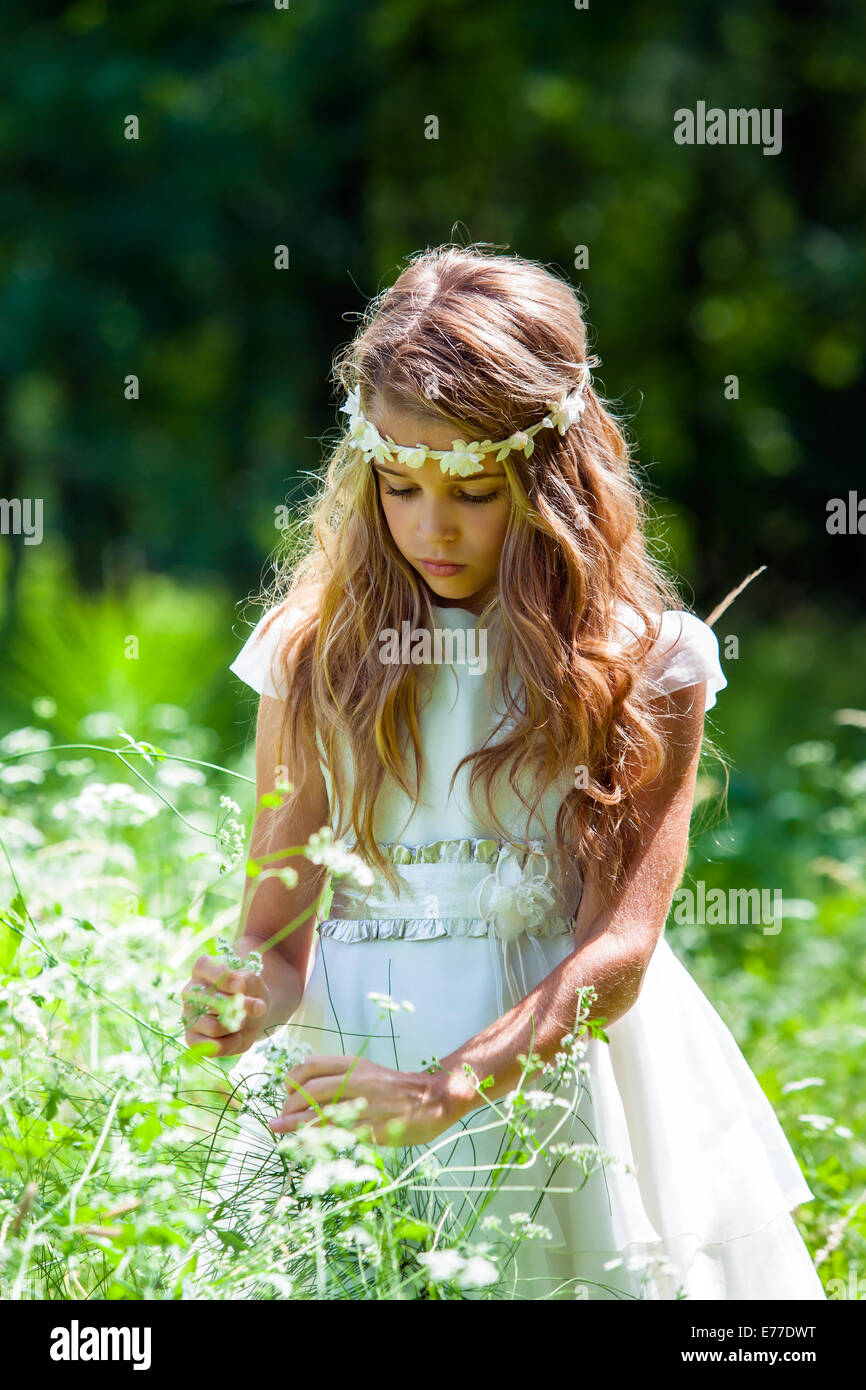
column 227, row 1046
column 195, row 1009
column 321, row 1066
column 212, row 1024
column 194, row 994
column 200, row 1002
column 214, row 971
column 194, row 1037
column 319, row 1089
column 287, row 1124
column 210, row 1027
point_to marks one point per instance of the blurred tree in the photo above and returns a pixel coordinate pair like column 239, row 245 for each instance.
column 154, row 257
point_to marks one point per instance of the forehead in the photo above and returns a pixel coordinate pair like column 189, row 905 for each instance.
column 408, row 430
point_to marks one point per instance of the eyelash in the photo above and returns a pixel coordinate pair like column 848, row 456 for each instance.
column 488, row 497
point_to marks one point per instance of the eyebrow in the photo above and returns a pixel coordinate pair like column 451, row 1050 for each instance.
column 471, row 478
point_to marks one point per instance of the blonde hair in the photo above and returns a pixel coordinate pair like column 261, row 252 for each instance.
column 482, row 341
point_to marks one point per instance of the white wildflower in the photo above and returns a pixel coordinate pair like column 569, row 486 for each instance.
column 542, row 1100
column 115, row 802
column 386, row 1002
column 230, row 1010
column 75, row 767
column 442, row 1264
column 25, row 1013
column 491, row 1223
column 19, row 773
column 170, row 774
column 26, row 740
column 99, row 724
column 338, row 1172
column 324, row 849
column 526, row 1228
column 477, row 1272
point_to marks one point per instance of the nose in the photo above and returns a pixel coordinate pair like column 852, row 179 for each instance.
column 435, row 527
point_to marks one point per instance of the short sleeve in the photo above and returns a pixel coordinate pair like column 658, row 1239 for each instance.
column 686, row 653
column 254, row 663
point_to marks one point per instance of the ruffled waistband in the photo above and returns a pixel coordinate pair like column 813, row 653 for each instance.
column 462, row 887
column 454, row 887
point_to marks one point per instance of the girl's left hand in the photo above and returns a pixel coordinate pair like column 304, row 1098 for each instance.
column 409, row 1097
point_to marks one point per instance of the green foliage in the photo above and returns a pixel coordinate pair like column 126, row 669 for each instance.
column 114, row 1132
column 155, row 256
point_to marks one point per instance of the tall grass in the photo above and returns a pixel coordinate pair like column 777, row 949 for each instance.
column 120, row 861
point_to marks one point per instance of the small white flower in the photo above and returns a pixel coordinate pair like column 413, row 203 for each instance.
column 413, row 458
column 800, row 1085
column 521, row 439
column 231, row 1011
column 17, row 773
column 568, row 411
column 116, row 801
column 817, row 1121
column 477, row 1272
column 25, row 1013
column 442, row 1264
column 324, row 849
column 463, row 460
column 492, row 1223
column 338, row 1172
column 26, row 740
column 542, row 1100
column 384, row 1001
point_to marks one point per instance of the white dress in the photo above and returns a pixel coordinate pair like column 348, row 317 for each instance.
column 695, row 1194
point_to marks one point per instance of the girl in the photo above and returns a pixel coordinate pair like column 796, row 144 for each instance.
column 479, row 604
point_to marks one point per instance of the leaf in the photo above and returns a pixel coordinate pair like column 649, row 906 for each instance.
column 18, row 909
column 9, row 943
column 408, row 1229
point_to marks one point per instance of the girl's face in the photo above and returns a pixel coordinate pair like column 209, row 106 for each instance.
column 438, row 516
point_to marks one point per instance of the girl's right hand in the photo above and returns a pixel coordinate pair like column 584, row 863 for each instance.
column 213, row 981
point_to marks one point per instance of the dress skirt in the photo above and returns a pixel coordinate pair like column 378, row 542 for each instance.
column 667, row 1176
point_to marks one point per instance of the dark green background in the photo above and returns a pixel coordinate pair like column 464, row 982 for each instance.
column 305, row 127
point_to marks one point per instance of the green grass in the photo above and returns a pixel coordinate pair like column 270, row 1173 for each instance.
column 113, row 1131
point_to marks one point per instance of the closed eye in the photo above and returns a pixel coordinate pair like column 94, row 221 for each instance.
column 466, row 496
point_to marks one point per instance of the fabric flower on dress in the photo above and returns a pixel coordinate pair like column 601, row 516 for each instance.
column 518, row 904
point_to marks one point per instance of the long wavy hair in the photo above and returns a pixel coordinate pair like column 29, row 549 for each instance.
column 481, row 341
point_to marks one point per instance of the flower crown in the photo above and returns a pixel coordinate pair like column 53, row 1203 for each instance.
column 463, row 458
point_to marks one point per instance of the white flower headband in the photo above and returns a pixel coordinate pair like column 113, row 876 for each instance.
column 462, row 459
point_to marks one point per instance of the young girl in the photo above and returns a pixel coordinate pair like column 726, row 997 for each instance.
column 478, row 613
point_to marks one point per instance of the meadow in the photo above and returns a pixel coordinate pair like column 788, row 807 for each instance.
column 126, row 797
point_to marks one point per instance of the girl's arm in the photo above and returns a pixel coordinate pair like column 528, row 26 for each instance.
column 269, row 905
column 613, row 945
